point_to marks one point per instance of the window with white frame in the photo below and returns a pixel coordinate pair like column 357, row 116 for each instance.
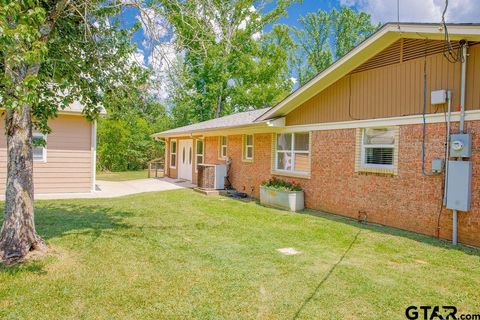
column 222, row 147
column 39, row 147
column 248, row 147
column 173, row 153
column 378, row 148
column 199, row 151
column 292, row 152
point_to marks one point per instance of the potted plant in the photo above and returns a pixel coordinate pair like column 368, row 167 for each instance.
column 282, row 194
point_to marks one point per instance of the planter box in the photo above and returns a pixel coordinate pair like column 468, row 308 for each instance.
column 288, row 200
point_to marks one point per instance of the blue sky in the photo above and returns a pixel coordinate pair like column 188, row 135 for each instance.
column 159, row 54
column 300, row 9
column 129, row 16
column 380, row 10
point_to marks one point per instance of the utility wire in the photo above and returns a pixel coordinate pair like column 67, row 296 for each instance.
column 424, row 109
column 398, row 14
column 449, row 52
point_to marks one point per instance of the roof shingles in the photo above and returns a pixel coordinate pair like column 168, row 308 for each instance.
column 233, row 120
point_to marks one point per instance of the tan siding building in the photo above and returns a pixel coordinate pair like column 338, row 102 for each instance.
column 68, row 161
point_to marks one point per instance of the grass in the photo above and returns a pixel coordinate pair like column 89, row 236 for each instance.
column 123, row 176
column 179, row 254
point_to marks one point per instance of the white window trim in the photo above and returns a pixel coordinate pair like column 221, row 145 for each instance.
column 378, row 168
column 44, row 148
column 293, row 151
column 244, row 147
column 197, row 154
column 175, row 153
column 220, row 148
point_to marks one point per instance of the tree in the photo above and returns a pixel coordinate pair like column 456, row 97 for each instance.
column 52, row 52
column 227, row 62
column 313, row 40
column 350, row 28
column 124, row 136
column 327, row 36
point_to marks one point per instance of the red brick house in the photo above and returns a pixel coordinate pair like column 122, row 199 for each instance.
column 360, row 137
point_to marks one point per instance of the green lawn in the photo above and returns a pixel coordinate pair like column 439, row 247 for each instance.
column 179, row 254
column 123, row 176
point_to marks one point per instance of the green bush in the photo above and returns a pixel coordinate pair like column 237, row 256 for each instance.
column 281, row 185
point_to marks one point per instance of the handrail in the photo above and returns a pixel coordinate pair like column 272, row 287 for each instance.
column 155, row 164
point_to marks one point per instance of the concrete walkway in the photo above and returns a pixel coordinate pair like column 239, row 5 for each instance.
column 111, row 189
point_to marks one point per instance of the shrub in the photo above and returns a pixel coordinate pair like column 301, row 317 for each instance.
column 281, row 185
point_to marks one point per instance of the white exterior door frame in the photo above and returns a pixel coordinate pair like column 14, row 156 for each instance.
column 185, row 159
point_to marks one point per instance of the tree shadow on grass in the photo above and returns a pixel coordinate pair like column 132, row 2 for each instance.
column 56, row 220
column 35, row 267
column 393, row 231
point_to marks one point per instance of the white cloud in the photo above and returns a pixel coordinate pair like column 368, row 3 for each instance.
column 348, row 3
column 138, row 57
column 154, row 25
column 418, row 10
column 162, row 59
column 160, row 53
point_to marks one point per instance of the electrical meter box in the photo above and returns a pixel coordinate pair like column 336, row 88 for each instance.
column 459, row 185
column 438, row 96
column 461, row 145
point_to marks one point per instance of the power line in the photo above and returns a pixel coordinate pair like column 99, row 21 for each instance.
column 398, row 14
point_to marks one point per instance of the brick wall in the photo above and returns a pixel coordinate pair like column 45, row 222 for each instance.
column 246, row 176
column 408, row 200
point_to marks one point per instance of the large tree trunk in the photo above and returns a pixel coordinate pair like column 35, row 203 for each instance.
column 18, row 238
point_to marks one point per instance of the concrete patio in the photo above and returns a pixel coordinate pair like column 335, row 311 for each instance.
column 111, row 189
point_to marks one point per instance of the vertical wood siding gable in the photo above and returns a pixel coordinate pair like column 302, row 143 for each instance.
column 393, row 89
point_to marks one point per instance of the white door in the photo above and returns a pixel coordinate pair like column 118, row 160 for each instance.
column 185, row 154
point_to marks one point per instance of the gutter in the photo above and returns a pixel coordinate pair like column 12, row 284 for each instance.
column 190, row 133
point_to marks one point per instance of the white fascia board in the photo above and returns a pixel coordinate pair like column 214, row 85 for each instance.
column 381, row 122
column 469, row 32
column 215, row 131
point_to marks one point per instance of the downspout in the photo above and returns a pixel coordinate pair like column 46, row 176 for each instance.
column 447, row 157
column 94, row 154
column 464, row 45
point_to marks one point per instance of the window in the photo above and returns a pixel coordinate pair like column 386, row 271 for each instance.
column 173, row 153
column 248, row 147
column 39, row 147
column 222, row 147
column 292, row 153
column 199, row 152
column 378, row 148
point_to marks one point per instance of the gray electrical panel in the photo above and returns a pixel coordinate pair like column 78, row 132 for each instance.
column 461, row 145
column 459, row 185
